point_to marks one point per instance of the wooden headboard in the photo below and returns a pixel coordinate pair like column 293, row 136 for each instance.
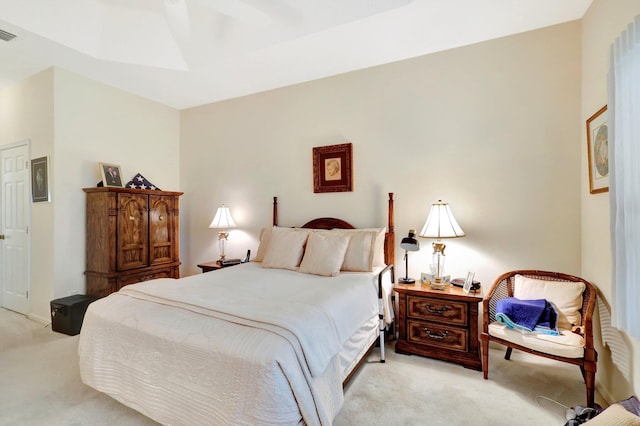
column 334, row 223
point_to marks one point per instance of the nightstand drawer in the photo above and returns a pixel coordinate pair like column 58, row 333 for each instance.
column 437, row 335
column 432, row 309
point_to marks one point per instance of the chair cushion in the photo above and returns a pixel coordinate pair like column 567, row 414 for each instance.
column 566, row 296
column 568, row 344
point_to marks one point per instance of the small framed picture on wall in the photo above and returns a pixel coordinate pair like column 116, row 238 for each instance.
column 40, row 180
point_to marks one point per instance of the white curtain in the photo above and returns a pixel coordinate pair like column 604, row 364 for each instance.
column 624, row 180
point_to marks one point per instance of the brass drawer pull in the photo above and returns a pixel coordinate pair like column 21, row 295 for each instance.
column 438, row 311
column 435, row 336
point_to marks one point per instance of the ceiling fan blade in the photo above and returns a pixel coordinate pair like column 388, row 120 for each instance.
column 178, row 19
column 239, row 10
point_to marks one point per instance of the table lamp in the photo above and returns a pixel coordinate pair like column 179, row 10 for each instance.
column 440, row 224
column 409, row 243
column 222, row 221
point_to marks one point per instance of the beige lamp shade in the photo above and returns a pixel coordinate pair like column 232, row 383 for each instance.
column 222, row 219
column 441, row 223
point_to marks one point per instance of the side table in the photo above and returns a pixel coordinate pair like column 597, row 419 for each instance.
column 440, row 324
column 210, row 266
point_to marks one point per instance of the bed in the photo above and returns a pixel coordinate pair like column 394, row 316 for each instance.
column 267, row 342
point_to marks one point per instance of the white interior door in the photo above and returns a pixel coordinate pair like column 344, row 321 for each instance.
column 14, row 228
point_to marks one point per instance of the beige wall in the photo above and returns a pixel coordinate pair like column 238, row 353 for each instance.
column 94, row 123
column 26, row 113
column 602, row 23
column 78, row 123
column 493, row 129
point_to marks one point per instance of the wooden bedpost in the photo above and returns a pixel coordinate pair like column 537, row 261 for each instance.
column 390, row 237
column 275, row 211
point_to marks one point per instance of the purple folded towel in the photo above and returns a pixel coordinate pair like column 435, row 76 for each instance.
column 522, row 312
column 529, row 315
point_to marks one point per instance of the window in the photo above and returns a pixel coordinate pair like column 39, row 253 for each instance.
column 624, row 159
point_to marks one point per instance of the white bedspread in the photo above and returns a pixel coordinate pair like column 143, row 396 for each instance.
column 241, row 345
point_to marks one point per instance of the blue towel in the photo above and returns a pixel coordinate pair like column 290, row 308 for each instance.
column 527, row 315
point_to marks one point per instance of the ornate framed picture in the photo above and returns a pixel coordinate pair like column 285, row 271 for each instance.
column 40, row 179
column 333, row 168
column 598, row 151
column 111, row 174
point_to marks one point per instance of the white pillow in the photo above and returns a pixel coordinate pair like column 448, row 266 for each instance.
column 265, row 237
column 565, row 296
column 378, row 249
column 324, row 253
column 361, row 252
column 285, row 248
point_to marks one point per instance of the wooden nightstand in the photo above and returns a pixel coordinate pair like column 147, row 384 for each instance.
column 440, row 324
column 210, row 266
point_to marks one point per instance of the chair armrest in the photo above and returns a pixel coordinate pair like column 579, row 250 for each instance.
column 498, row 290
column 588, row 308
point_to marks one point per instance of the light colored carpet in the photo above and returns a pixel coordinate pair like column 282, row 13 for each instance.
column 40, row 385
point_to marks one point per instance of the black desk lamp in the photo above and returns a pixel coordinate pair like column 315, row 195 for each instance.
column 409, row 243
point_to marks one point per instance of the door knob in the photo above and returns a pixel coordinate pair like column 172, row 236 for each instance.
column 1, row 237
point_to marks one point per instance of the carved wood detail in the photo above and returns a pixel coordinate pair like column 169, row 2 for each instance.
column 328, row 223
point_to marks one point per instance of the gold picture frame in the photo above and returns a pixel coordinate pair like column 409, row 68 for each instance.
column 598, row 151
column 333, row 168
column 111, row 174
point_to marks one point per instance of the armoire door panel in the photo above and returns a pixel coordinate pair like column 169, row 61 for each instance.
column 161, row 222
column 132, row 231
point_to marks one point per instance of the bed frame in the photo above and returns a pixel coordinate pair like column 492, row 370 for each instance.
column 333, row 223
column 389, row 260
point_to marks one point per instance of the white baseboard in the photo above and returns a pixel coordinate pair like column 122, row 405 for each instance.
column 39, row 319
column 605, row 394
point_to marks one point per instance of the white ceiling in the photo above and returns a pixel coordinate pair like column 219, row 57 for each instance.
column 185, row 53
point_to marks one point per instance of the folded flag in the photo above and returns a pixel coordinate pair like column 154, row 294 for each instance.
column 527, row 315
column 140, row 182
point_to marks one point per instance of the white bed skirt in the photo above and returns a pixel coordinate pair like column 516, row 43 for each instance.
column 357, row 346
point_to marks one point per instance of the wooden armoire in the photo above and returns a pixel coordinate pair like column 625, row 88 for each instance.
column 131, row 236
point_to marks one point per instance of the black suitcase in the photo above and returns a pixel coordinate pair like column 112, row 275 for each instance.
column 67, row 313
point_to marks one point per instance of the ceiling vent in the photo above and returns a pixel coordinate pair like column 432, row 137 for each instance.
column 6, row 36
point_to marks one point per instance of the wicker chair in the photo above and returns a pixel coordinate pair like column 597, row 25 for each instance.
column 584, row 355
